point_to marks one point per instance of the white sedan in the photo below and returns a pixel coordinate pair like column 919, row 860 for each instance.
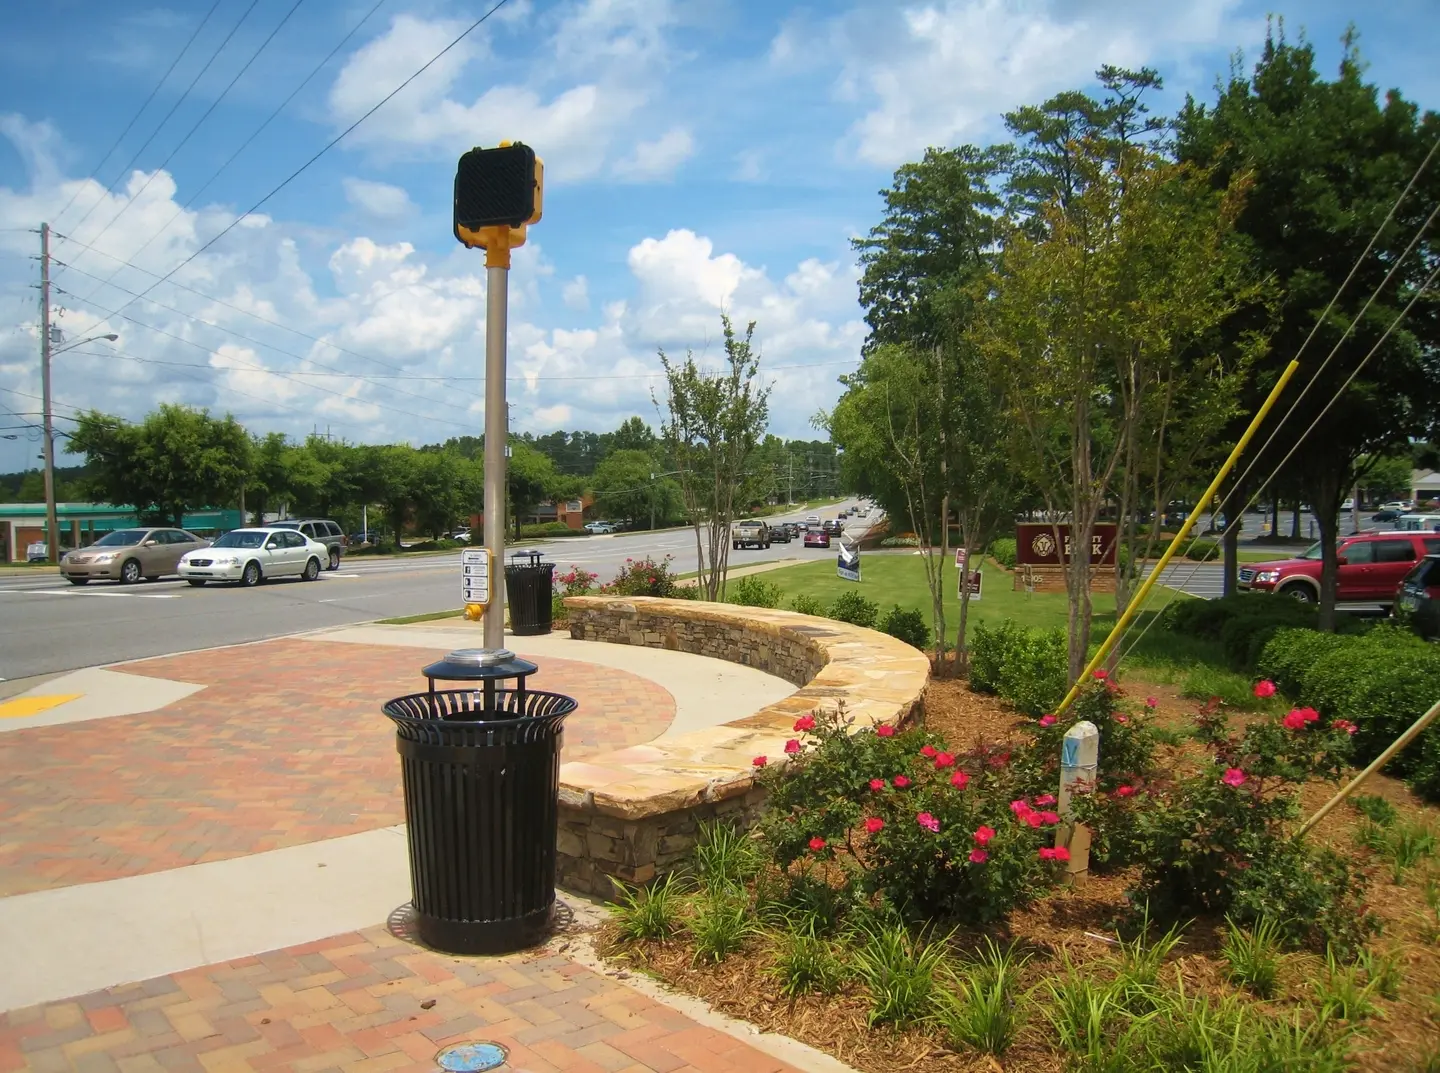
column 250, row 556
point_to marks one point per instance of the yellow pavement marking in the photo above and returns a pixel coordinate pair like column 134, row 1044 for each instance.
column 22, row 706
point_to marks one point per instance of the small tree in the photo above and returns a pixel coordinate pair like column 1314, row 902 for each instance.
column 710, row 425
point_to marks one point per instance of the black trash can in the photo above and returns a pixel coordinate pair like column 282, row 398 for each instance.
column 481, row 769
column 529, row 586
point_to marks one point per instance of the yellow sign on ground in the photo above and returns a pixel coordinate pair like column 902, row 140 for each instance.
column 22, row 706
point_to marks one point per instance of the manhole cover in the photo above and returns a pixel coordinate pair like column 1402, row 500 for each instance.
column 471, row 1057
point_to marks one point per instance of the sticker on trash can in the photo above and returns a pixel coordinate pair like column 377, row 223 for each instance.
column 475, row 576
column 471, row 1057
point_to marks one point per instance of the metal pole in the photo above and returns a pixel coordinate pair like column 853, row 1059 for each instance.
column 497, row 293
column 52, row 523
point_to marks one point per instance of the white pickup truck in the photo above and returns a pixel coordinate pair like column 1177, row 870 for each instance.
column 749, row 533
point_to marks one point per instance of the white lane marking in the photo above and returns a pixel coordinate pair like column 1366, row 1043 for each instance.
column 81, row 592
column 332, row 577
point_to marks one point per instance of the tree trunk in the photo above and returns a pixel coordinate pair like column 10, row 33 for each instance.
column 1295, row 523
column 1327, row 492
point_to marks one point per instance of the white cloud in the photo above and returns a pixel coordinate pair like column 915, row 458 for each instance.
column 657, row 159
column 607, row 55
column 942, row 72
column 576, row 293
column 379, row 200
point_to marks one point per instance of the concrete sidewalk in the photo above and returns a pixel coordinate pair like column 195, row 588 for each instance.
column 206, row 857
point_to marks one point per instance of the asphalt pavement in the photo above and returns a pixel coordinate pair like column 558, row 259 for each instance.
column 48, row 626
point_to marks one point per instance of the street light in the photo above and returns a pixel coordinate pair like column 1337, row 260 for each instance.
column 52, row 522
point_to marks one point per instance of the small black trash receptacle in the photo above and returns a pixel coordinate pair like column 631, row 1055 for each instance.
column 481, row 769
column 529, row 585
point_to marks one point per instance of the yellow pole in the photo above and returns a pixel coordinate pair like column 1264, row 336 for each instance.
column 1138, row 600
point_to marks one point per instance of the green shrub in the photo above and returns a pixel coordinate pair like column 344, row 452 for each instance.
column 1004, row 551
column 940, row 838
column 645, row 577
column 1029, row 668
column 853, row 608
column 908, row 625
column 1202, row 550
column 1382, row 681
column 754, row 591
column 1207, row 618
column 1290, row 653
column 805, row 604
column 550, row 529
column 1217, row 841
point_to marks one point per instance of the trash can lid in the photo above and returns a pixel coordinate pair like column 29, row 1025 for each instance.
column 477, row 664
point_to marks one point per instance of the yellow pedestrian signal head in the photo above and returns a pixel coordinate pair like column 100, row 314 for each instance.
column 500, row 187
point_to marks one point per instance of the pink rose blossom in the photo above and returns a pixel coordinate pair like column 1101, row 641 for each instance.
column 1033, row 819
column 877, row 785
column 1050, row 817
column 760, row 761
column 984, row 834
column 805, row 722
column 1047, row 853
column 1020, row 807
column 792, row 746
column 1121, row 717
column 978, row 856
column 1060, row 854
column 874, row 824
column 1047, row 720
column 901, row 782
column 1102, row 674
column 1264, row 688
column 1045, row 799
column 817, row 844
column 959, row 780
column 944, row 760
column 1345, row 725
column 885, row 730
column 927, row 751
column 1233, row 777
column 1151, row 702
column 1124, row 791
column 927, row 821
column 1293, row 721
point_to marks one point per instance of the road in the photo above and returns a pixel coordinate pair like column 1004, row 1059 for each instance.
column 48, row 626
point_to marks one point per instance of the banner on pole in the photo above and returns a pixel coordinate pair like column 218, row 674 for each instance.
column 964, row 576
column 847, row 565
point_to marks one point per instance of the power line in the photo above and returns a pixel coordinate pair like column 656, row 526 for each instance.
column 246, row 143
column 213, row 57
column 330, row 144
column 204, row 116
column 136, row 117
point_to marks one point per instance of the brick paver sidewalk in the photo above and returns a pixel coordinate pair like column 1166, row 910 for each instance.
column 286, row 746
column 367, row 1002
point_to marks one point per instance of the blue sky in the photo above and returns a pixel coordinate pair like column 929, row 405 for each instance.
column 701, row 155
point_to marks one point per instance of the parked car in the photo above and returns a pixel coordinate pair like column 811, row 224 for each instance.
column 1386, row 514
column 817, row 538
column 1371, row 568
column 1418, row 600
column 462, row 535
column 127, row 555
column 325, row 532
column 37, row 552
column 1401, row 505
column 599, row 528
column 250, row 556
column 749, row 533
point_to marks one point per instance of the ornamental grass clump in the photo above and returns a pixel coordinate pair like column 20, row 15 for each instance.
column 647, row 912
column 984, row 1011
column 900, row 971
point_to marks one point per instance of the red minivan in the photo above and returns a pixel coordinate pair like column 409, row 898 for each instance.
column 1371, row 568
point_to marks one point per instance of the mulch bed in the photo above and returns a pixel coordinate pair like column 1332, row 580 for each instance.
column 1074, row 924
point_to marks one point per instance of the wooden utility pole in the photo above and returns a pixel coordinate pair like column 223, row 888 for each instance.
column 52, row 523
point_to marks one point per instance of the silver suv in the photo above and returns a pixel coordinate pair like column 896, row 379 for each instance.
column 323, row 531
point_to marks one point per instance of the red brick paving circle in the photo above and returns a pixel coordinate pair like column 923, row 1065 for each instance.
column 285, row 746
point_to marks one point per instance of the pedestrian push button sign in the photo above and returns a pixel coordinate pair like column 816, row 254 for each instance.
column 475, row 576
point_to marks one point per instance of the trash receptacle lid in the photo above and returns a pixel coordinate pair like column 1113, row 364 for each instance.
column 474, row 664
